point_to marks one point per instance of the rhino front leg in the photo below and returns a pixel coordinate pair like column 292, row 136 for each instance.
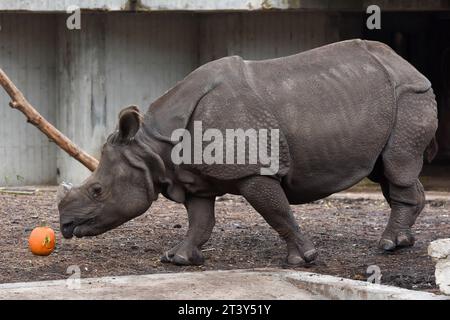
column 201, row 223
column 266, row 195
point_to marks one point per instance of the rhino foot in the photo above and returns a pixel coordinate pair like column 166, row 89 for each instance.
column 295, row 259
column 393, row 240
column 300, row 251
column 184, row 255
column 406, row 204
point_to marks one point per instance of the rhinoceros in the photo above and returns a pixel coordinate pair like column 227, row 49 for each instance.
column 343, row 112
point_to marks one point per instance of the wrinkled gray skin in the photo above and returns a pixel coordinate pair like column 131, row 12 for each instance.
column 345, row 111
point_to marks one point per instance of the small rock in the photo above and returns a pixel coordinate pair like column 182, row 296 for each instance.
column 134, row 247
column 442, row 275
column 177, row 226
column 439, row 249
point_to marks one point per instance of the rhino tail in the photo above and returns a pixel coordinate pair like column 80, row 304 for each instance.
column 431, row 150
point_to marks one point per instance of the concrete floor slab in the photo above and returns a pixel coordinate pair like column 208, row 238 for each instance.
column 232, row 284
column 377, row 195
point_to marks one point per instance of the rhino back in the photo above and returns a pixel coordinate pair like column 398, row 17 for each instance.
column 403, row 75
column 336, row 106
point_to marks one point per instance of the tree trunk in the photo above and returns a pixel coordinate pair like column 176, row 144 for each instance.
column 20, row 103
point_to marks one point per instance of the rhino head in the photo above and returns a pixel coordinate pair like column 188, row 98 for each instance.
column 122, row 187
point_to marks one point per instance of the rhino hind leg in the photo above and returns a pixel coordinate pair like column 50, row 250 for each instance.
column 267, row 197
column 201, row 223
column 406, row 205
column 402, row 161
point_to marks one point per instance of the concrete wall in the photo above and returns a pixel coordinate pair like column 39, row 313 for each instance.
column 27, row 55
column 256, row 36
column 125, row 59
column 115, row 61
column 118, row 59
column 222, row 5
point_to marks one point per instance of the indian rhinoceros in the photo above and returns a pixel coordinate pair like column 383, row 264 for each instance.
column 343, row 112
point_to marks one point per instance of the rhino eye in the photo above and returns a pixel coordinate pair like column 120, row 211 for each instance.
column 96, row 190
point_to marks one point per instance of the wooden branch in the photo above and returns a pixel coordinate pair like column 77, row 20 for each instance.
column 20, row 103
column 17, row 191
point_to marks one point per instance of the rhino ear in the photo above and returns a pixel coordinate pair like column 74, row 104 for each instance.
column 130, row 120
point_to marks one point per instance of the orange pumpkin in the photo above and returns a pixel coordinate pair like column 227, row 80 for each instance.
column 42, row 241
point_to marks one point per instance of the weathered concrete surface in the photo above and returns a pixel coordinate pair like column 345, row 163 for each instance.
column 337, row 288
column 118, row 60
column 157, row 5
column 442, row 275
column 377, row 195
column 232, row 284
column 27, row 55
column 439, row 250
column 220, row 5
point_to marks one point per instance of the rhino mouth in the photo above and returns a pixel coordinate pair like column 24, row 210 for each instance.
column 71, row 229
column 67, row 230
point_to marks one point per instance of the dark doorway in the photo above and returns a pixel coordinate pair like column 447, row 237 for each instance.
column 423, row 39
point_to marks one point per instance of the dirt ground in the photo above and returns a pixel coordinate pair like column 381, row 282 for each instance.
column 344, row 231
